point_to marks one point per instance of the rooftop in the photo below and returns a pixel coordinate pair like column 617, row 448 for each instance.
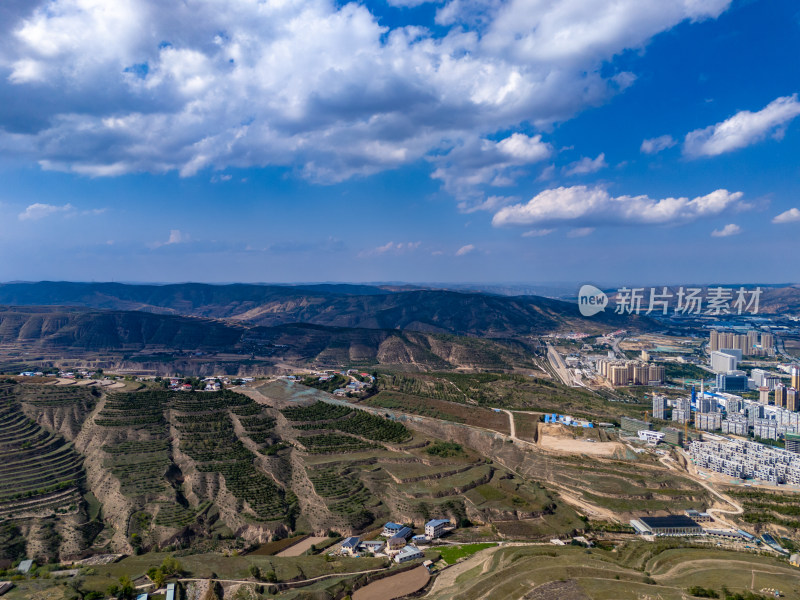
column 671, row 521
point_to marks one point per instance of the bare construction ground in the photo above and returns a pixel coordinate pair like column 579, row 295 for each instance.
column 560, row 439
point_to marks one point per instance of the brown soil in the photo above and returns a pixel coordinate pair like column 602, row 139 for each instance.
column 300, row 548
column 560, row 439
column 394, row 586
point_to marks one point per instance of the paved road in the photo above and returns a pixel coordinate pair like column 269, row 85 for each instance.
column 558, row 365
column 511, row 424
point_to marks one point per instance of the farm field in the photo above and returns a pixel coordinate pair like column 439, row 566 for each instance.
column 394, row 586
column 442, row 409
column 635, row 571
column 496, row 390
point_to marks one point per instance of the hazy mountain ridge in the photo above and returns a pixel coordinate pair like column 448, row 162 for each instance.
column 439, row 311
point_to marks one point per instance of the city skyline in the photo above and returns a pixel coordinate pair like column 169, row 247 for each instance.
column 404, row 141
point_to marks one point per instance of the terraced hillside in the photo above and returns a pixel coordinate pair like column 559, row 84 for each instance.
column 632, row 571
column 40, row 472
column 186, row 465
column 405, row 390
column 62, row 409
column 361, row 469
column 43, row 511
column 187, row 468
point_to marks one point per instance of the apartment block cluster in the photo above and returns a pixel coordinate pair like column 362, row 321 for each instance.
column 630, row 372
column 752, row 343
column 748, row 460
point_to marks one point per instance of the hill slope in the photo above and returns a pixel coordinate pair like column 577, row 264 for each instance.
column 341, row 306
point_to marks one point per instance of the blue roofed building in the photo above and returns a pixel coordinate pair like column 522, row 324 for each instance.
column 391, row 529
column 435, row 527
column 350, row 545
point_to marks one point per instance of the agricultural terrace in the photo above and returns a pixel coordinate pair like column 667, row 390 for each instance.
column 496, row 390
column 622, row 486
column 58, row 396
column 140, row 466
column 140, row 411
column 635, row 570
column 321, row 415
column 344, row 494
column 762, row 506
column 40, row 471
column 207, row 435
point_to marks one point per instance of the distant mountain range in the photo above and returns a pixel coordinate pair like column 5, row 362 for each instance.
column 154, row 340
column 350, row 306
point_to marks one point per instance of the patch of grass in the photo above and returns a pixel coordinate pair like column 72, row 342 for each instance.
column 451, row 554
column 444, row 449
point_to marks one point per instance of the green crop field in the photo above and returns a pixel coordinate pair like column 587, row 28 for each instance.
column 452, row 554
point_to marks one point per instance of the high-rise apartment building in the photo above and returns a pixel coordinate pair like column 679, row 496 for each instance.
column 763, row 395
column 659, row 407
column 791, row 399
column 722, row 362
column 780, row 395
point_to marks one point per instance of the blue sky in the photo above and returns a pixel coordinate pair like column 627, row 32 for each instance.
column 636, row 141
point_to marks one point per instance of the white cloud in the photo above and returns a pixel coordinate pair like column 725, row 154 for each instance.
column 587, row 165
column 321, row 87
column 176, row 236
column 742, row 129
column 37, row 211
column 491, row 203
column 390, row 248
column 657, row 144
column 538, row 232
column 790, row 216
column 580, row 232
column 465, row 250
column 727, row 231
column 475, row 163
column 585, row 205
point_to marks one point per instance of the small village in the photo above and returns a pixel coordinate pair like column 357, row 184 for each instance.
column 399, row 542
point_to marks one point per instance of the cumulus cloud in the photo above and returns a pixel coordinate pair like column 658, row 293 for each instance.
column 321, row 87
column 727, row 231
column 742, row 129
column 475, row 163
column 465, row 250
column 657, row 144
column 587, row 165
column 37, row 211
column 790, row 216
column 594, row 205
